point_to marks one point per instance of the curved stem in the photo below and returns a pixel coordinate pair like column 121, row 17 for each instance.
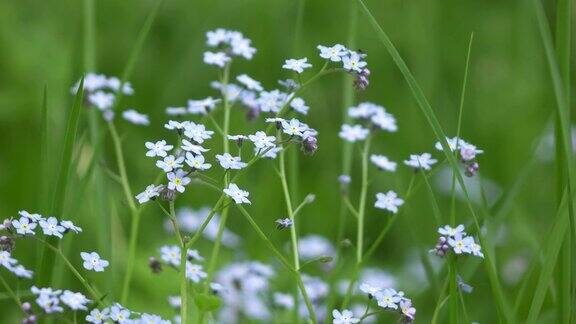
column 12, row 294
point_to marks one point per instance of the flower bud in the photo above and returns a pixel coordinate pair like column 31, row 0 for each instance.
column 154, row 265
column 310, row 145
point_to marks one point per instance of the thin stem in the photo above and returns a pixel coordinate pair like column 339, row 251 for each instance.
column 362, row 205
column 288, row 200
column 453, row 291
column 283, row 260
column 183, row 260
column 12, row 294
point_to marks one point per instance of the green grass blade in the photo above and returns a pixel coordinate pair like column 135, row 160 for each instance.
column 44, row 149
column 501, row 303
column 551, row 252
column 57, row 206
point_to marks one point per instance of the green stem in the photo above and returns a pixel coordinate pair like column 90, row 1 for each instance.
column 362, row 205
column 134, row 211
column 283, row 260
column 12, row 294
column 183, row 258
column 453, row 291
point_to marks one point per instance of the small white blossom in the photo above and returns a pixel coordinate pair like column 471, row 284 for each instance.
column 461, row 244
column 388, row 298
column 202, row 107
column 407, row 309
column 344, row 317
column 197, row 132
column 119, row 314
column 423, row 161
column 250, row 83
column 21, row 272
column 175, row 125
column 219, row 59
column 238, row 195
column 334, row 53
column 468, row 152
column 299, row 105
column 353, row 62
column 176, row 111
column 50, row 227
column 74, row 300
column 353, row 133
column 228, row 161
column 170, row 254
column 6, row 259
column 70, row 226
column 388, row 201
column 384, row 121
column 177, row 180
column 294, row 127
column 447, row 230
column 297, row 65
column 101, row 100
column 269, row 152
column 92, row 261
column 197, row 162
column 170, row 163
column 98, row 317
column 370, row 289
column 135, row 117
column 476, row 249
column 261, row 140
column 196, row 149
column 284, row 300
column 32, row 217
column 383, row 163
column 23, row 226
column 157, row 149
column 150, row 192
column 195, row 272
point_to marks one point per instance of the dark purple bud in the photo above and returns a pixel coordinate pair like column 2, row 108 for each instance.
column 167, row 194
column 310, row 145
column 7, row 224
column 253, row 113
column 154, row 265
column 472, row 169
column 26, row 307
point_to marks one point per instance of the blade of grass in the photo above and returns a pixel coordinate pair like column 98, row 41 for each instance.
column 501, row 302
column 57, row 206
column 44, row 149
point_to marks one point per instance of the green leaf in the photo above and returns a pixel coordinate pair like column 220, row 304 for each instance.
column 47, row 259
column 207, row 302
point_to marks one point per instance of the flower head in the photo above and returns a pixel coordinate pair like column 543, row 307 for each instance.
column 157, row 149
column 238, row 195
column 353, row 133
column 297, row 65
column 23, row 226
column 92, row 261
column 383, row 163
column 388, row 201
column 333, row 53
column 227, row 161
column 423, row 161
column 197, row 162
column 150, row 192
column 344, row 317
column 170, row 163
column 177, row 180
column 51, row 227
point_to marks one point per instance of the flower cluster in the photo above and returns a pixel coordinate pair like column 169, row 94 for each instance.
column 170, row 256
column 228, row 43
column 455, row 239
column 119, row 314
column 466, row 152
column 101, row 92
column 391, row 299
column 352, row 61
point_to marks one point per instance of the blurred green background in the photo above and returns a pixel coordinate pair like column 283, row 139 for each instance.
column 508, row 106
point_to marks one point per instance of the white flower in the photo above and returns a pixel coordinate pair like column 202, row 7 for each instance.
column 271, row 101
column 407, row 309
column 51, row 227
column 461, row 244
column 76, row 301
column 388, row 201
column 297, row 65
column 353, row 133
column 238, row 195
column 294, row 127
column 197, row 132
column 24, row 226
column 453, row 143
column 383, row 163
column 49, row 303
column 170, row 163
column 157, row 149
column 177, row 180
column 98, row 317
column 197, row 162
column 369, row 289
column 334, row 53
column 299, row 105
column 384, row 121
column 150, row 192
column 365, row 110
column 92, row 261
column 194, row 272
column 228, row 161
column 32, row 217
column 189, row 147
column 101, row 100
column 388, row 298
column 422, row 161
column 238, row 137
column 284, row 300
column 194, row 254
column 274, row 120
column 135, row 117
column 176, row 111
column 21, row 272
column 219, row 59
column 468, row 152
column 70, row 226
column 250, row 83
column 353, row 62
column 261, row 140
column 172, row 125
column 119, row 314
column 346, row 317
column 216, row 37
column 269, row 153
column 6, row 259
column 476, row 249
column 170, row 254
column 202, row 107
column 447, row 230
